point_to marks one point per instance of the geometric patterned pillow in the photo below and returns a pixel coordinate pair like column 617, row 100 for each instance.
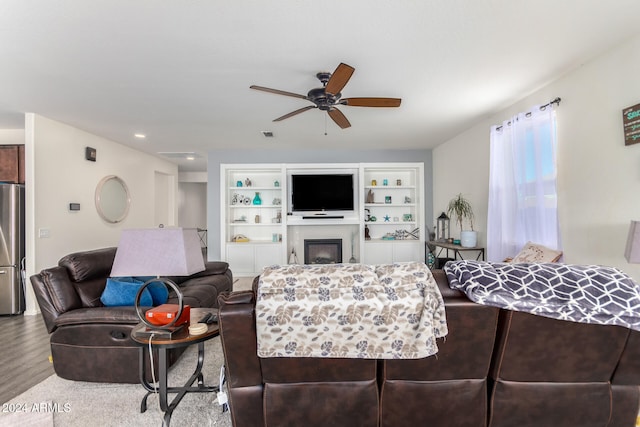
column 533, row 252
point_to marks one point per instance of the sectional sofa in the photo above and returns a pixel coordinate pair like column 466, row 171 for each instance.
column 496, row 367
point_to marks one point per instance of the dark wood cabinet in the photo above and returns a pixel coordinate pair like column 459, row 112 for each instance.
column 12, row 163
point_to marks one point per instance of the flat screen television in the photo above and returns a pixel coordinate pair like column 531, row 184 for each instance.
column 322, row 192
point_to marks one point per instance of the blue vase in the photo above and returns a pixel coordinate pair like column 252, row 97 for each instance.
column 257, row 200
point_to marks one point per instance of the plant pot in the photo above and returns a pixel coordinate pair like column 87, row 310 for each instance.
column 468, row 239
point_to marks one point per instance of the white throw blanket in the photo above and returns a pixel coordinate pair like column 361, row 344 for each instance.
column 386, row 311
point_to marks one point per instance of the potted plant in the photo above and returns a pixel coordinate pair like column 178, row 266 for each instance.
column 460, row 209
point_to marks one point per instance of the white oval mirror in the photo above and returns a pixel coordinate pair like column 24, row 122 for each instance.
column 112, row 199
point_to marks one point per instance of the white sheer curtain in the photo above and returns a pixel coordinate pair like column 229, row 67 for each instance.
column 522, row 184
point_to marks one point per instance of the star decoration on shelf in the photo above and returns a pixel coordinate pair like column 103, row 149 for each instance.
column 386, row 218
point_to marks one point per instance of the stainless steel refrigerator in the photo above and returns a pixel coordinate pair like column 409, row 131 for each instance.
column 11, row 248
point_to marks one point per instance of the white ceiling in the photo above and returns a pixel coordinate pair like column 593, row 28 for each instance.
column 179, row 71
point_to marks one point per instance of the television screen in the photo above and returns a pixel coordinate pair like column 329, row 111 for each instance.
column 327, row 192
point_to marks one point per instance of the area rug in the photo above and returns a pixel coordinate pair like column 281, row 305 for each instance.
column 60, row 403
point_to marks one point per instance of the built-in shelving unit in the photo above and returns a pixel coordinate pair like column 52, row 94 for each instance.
column 257, row 235
column 393, row 213
column 253, row 211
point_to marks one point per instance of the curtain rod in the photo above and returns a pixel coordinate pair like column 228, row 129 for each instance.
column 556, row 100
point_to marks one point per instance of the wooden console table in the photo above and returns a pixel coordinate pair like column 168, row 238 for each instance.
column 457, row 249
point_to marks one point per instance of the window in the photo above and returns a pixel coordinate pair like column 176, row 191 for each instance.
column 523, row 203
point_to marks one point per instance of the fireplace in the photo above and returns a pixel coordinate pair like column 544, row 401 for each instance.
column 322, row 251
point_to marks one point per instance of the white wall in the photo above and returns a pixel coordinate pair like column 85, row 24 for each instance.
column 192, row 204
column 598, row 176
column 58, row 174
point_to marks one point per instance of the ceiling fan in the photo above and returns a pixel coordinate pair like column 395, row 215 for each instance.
column 327, row 97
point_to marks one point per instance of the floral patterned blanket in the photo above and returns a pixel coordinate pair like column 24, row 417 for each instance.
column 391, row 311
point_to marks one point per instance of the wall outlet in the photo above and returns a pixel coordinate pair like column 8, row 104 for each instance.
column 44, row 233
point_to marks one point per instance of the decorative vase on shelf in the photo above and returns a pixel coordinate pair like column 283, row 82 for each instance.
column 257, row 200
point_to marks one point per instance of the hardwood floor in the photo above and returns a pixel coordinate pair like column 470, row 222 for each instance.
column 24, row 352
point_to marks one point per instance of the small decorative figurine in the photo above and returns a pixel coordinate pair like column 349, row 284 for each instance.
column 247, row 182
column 370, row 197
column 385, row 182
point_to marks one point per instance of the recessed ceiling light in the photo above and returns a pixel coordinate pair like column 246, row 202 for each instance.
column 190, row 158
column 140, row 135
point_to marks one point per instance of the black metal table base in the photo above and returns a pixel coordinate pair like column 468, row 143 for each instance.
column 162, row 389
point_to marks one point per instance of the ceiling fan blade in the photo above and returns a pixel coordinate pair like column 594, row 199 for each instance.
column 340, row 119
column 277, row 91
column 339, row 78
column 371, row 102
column 293, row 113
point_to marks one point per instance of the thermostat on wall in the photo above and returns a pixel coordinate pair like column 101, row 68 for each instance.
column 74, row 206
column 90, row 153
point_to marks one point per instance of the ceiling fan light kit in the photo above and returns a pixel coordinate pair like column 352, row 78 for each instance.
column 327, row 97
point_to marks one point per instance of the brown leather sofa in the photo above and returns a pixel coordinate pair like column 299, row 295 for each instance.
column 494, row 368
column 91, row 342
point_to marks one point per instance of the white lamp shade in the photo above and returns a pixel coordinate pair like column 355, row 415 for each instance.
column 632, row 251
column 158, row 252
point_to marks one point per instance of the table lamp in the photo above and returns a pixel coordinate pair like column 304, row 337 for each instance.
column 632, row 251
column 158, row 252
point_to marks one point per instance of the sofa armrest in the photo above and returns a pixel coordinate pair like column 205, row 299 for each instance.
column 99, row 315
column 236, row 318
column 237, row 321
